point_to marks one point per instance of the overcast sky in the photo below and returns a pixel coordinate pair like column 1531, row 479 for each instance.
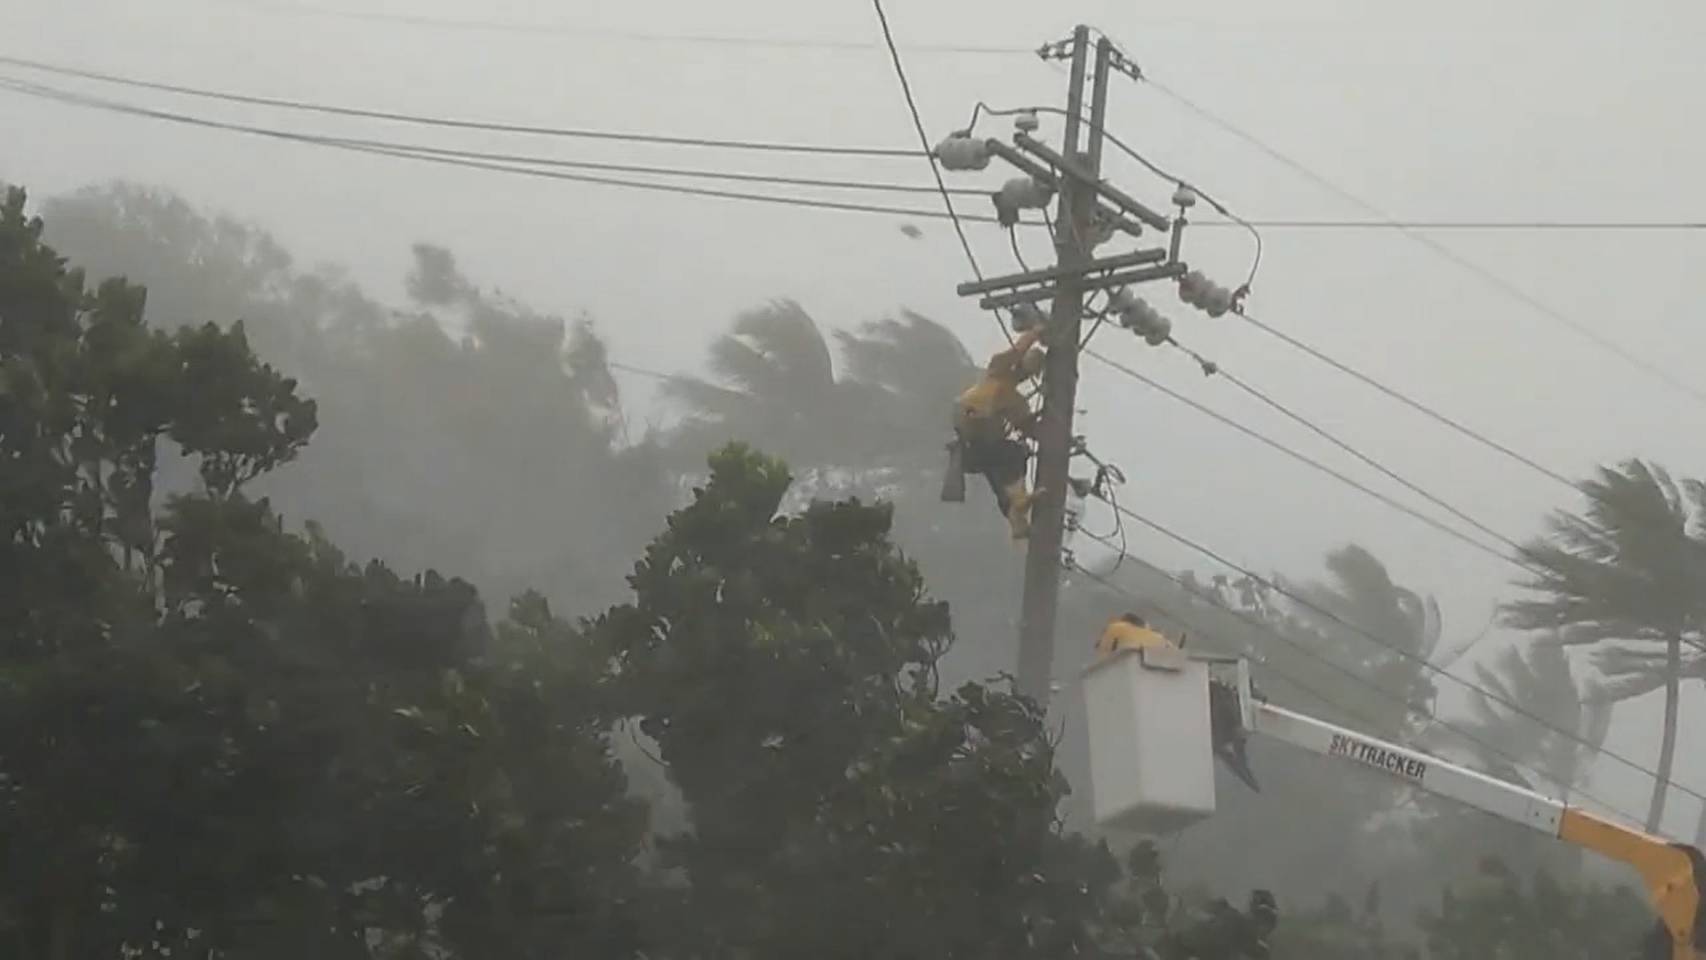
column 1514, row 110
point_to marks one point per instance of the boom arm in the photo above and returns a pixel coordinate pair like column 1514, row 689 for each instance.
column 1674, row 873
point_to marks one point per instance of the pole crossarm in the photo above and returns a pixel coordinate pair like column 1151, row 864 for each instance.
column 1089, row 180
column 991, row 285
column 1112, row 280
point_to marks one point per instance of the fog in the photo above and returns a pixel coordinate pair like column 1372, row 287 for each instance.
column 1516, row 111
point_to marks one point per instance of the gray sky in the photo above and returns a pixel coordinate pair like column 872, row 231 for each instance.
column 1519, row 109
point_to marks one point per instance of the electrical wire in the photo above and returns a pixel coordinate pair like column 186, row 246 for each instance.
column 1411, row 402
column 453, row 158
column 935, row 165
column 1300, row 457
column 1486, row 275
column 1492, row 696
column 459, row 124
column 800, row 148
column 1424, row 711
column 1211, row 368
column 688, row 172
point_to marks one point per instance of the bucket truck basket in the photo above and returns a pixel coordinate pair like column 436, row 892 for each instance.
column 1151, row 743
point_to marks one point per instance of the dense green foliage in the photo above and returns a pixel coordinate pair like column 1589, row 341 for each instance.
column 223, row 737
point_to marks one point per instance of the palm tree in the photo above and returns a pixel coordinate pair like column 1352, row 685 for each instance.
column 776, row 385
column 1538, row 679
column 1628, row 576
column 1360, row 601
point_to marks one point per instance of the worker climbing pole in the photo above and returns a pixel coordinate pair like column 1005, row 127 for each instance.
column 993, row 423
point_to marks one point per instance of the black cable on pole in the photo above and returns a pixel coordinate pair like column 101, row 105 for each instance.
column 489, row 126
column 1491, row 695
column 935, row 165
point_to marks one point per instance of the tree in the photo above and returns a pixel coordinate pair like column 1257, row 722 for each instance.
column 840, row 805
column 1497, row 916
column 1382, row 630
column 1554, row 753
column 887, row 409
column 466, row 430
column 220, row 738
column 1627, row 576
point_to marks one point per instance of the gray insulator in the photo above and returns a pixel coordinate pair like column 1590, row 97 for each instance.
column 963, row 153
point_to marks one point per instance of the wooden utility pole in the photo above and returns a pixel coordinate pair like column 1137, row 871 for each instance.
column 1073, row 249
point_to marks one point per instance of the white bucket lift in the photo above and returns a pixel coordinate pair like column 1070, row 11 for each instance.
column 1152, row 771
column 1151, row 744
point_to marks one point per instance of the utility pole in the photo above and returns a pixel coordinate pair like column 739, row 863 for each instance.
column 1091, row 212
column 1073, row 250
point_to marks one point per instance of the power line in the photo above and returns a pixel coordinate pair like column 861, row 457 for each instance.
column 924, row 142
column 688, row 172
column 1271, row 631
column 450, row 158
column 492, row 126
column 459, row 124
column 1488, row 276
column 1303, row 458
column 1412, row 403
column 1491, row 695
column 1214, row 369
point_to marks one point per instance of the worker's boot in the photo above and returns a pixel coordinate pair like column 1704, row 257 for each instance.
column 1019, row 510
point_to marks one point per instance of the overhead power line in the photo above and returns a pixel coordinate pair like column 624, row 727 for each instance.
column 1491, row 695
column 1412, row 403
column 456, row 159
column 1215, row 369
column 1303, row 458
column 458, row 124
column 1488, row 276
column 764, row 146
column 698, row 173
column 924, row 143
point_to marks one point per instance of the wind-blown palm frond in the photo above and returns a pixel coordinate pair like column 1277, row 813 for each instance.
column 1629, row 571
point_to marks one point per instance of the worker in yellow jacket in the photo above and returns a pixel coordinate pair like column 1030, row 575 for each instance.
column 1128, row 631
column 992, row 421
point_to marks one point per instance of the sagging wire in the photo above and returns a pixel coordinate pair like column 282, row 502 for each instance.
column 1101, row 486
column 1099, row 315
column 1013, row 241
